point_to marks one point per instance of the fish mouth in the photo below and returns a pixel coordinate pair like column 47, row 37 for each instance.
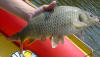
column 96, row 21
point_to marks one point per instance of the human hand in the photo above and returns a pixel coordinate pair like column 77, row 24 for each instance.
column 49, row 7
column 42, row 9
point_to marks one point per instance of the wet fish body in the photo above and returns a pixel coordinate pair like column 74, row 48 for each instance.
column 64, row 20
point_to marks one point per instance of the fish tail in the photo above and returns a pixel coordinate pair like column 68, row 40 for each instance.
column 21, row 47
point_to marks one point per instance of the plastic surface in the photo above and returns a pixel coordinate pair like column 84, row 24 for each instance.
column 44, row 49
column 10, row 24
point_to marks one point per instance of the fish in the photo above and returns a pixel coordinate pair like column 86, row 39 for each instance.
column 62, row 21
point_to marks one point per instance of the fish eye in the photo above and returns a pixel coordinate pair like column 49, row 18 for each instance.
column 91, row 15
column 80, row 19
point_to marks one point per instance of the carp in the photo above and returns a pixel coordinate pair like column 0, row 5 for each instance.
column 62, row 21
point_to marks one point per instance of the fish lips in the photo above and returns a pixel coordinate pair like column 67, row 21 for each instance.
column 96, row 21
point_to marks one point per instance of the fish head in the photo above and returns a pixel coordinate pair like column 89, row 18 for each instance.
column 88, row 18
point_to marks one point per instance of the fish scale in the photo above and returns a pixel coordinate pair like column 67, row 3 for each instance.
column 64, row 20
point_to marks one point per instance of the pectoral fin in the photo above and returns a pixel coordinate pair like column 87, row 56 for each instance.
column 79, row 25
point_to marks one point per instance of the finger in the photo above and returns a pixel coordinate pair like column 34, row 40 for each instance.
column 52, row 5
column 49, row 7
